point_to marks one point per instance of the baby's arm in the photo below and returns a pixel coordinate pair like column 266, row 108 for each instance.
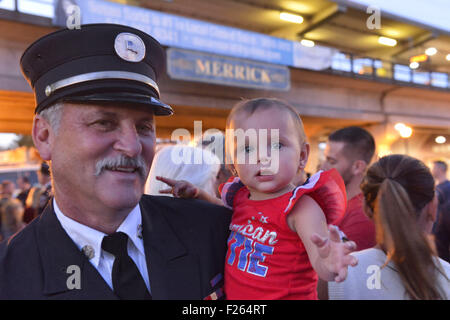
column 328, row 255
column 185, row 189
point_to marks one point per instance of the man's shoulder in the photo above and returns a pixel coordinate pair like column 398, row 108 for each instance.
column 198, row 224
column 23, row 241
column 354, row 210
column 187, row 208
column 444, row 187
column 20, row 263
column 443, row 191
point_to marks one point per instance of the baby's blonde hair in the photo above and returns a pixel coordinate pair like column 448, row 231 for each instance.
column 251, row 106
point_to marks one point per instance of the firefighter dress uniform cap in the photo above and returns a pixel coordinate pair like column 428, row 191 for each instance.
column 96, row 63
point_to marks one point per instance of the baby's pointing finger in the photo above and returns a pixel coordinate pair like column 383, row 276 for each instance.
column 168, row 181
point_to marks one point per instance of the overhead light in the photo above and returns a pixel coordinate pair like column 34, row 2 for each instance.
column 403, row 130
column 399, row 126
column 447, row 57
column 294, row 18
column 414, row 65
column 419, row 58
column 322, row 145
column 307, row 43
column 383, row 150
column 406, row 132
column 440, row 139
column 431, row 51
column 387, row 41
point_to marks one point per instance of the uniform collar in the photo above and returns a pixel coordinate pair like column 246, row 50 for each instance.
column 87, row 238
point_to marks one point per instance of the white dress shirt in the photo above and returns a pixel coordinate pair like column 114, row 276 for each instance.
column 91, row 240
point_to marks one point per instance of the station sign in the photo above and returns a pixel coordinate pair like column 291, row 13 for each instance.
column 210, row 68
column 192, row 34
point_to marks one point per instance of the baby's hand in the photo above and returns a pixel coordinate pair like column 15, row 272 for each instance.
column 180, row 188
column 335, row 254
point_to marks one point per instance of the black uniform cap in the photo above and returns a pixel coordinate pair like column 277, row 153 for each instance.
column 97, row 63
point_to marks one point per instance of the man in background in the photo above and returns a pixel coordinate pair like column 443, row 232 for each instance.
column 24, row 185
column 350, row 151
column 7, row 188
column 39, row 195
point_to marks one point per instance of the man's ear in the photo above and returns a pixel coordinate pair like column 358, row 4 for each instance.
column 41, row 134
column 359, row 167
column 304, row 155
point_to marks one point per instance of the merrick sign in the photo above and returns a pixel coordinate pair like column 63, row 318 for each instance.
column 209, row 68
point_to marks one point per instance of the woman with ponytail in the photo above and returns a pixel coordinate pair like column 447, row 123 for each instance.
column 400, row 198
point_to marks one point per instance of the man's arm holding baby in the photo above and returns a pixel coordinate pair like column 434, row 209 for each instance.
column 329, row 256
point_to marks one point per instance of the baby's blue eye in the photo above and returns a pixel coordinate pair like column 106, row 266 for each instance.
column 248, row 149
column 276, row 145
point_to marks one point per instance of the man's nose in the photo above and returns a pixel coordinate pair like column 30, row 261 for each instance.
column 128, row 142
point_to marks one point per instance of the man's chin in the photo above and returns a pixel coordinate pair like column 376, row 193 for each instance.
column 122, row 201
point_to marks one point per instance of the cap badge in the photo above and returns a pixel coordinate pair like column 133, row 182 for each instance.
column 129, row 47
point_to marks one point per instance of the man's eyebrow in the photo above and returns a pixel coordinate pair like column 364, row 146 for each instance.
column 112, row 114
column 147, row 118
column 102, row 113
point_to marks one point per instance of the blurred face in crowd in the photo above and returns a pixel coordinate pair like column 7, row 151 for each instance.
column 12, row 212
column 42, row 178
column 7, row 189
column 100, row 155
column 21, row 184
column 335, row 157
column 438, row 171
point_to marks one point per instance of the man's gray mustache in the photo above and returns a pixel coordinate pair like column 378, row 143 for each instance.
column 121, row 161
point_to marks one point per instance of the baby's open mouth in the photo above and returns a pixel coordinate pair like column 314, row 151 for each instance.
column 265, row 172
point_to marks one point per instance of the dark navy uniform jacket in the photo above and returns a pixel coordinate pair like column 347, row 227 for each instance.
column 185, row 248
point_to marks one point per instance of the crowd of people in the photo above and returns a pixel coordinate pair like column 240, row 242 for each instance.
column 255, row 227
column 21, row 202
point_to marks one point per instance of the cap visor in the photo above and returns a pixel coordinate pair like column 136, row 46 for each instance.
column 159, row 108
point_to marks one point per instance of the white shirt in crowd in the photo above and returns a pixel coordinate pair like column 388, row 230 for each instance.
column 368, row 281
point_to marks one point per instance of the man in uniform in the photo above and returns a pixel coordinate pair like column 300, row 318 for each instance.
column 99, row 237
